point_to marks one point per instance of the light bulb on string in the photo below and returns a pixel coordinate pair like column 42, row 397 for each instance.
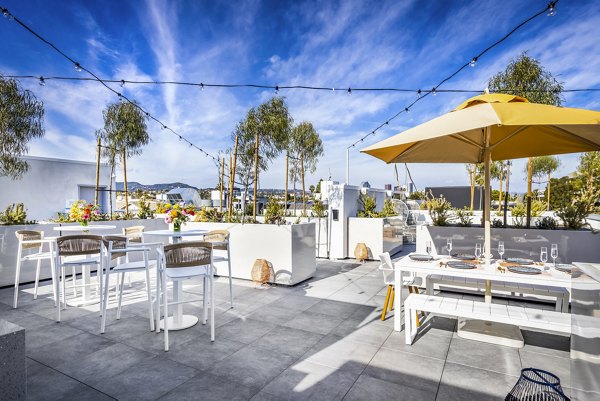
column 349, row 91
column 551, row 9
column 42, row 81
column 419, row 94
column 433, row 92
column 120, row 97
column 406, row 110
column 7, row 14
column 473, row 62
column 122, row 83
column 78, row 67
column 276, row 89
column 201, row 86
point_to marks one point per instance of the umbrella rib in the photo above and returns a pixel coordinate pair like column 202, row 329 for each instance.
column 518, row 131
column 462, row 138
column 584, row 140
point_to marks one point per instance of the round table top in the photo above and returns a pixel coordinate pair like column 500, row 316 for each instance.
column 171, row 233
column 96, row 227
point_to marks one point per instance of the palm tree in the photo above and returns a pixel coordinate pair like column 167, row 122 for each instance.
column 476, row 177
column 308, row 146
column 498, row 172
column 544, row 166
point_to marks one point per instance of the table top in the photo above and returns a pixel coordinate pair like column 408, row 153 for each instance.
column 96, row 227
column 551, row 277
column 171, row 233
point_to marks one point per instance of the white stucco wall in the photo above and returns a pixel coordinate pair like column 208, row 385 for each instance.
column 50, row 183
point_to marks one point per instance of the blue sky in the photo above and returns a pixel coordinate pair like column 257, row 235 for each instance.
column 347, row 43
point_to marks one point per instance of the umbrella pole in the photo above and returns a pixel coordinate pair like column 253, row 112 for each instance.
column 487, row 153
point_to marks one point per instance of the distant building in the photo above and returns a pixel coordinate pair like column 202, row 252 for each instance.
column 459, row 197
column 52, row 185
column 185, row 195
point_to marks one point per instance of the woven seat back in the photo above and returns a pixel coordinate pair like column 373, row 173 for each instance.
column 134, row 233
column 118, row 242
column 218, row 236
column 76, row 245
column 185, row 254
column 29, row 235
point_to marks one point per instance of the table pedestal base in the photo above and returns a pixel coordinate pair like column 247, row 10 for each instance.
column 186, row 321
column 490, row 332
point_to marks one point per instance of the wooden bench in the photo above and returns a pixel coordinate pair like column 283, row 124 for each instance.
column 560, row 294
column 508, row 314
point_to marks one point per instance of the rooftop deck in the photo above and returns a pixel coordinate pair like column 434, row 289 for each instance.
column 320, row 340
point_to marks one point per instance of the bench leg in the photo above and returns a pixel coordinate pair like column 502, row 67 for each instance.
column 407, row 325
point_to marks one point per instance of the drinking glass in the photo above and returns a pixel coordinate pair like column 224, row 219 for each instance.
column 501, row 249
column 544, row 255
column 478, row 251
column 554, row 253
column 449, row 246
column 428, row 248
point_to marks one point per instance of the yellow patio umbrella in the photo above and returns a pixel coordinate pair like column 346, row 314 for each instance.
column 493, row 127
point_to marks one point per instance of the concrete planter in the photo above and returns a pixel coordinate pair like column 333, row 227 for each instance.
column 289, row 248
column 573, row 246
column 9, row 244
column 376, row 233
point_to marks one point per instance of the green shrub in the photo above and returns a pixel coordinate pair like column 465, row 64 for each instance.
column 547, row 223
column 388, row 209
column 439, row 209
column 318, row 209
column 274, row 213
column 144, row 210
column 464, row 216
column 14, row 214
column 367, row 206
column 497, row 223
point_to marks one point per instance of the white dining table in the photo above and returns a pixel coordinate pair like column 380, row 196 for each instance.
column 474, row 329
column 178, row 321
column 86, row 297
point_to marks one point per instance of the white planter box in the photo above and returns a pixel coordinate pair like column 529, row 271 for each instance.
column 289, row 248
column 376, row 234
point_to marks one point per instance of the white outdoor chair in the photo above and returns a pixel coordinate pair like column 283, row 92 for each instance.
column 115, row 248
column 220, row 242
column 31, row 248
column 388, row 271
column 78, row 250
column 183, row 261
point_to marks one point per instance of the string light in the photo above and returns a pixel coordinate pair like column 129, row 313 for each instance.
column 406, row 109
column 349, row 91
column 551, row 9
column 201, row 86
column 473, row 62
column 95, row 77
column 276, row 89
column 42, row 81
column 418, row 93
column 122, row 83
column 7, row 14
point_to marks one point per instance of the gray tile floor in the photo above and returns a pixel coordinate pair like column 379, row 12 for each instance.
column 320, row 340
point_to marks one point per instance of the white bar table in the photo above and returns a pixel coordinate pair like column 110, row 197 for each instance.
column 178, row 321
column 86, row 298
column 475, row 329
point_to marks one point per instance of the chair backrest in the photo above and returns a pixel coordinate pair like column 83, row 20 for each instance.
column 134, row 233
column 29, row 235
column 185, row 254
column 218, row 236
column 387, row 268
column 118, row 242
column 76, row 245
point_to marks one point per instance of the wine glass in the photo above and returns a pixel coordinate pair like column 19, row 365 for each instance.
column 544, row 255
column 478, row 250
column 501, row 249
column 449, row 246
column 554, row 253
column 428, row 248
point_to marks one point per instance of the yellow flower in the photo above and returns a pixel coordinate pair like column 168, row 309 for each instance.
column 174, row 213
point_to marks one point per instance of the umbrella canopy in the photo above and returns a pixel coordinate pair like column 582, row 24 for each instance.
column 517, row 129
column 493, row 127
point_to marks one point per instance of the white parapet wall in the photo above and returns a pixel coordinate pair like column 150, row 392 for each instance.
column 290, row 248
column 378, row 236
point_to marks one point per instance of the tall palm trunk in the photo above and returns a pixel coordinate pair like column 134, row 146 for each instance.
column 255, row 176
column 303, row 189
column 472, row 174
column 500, row 194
